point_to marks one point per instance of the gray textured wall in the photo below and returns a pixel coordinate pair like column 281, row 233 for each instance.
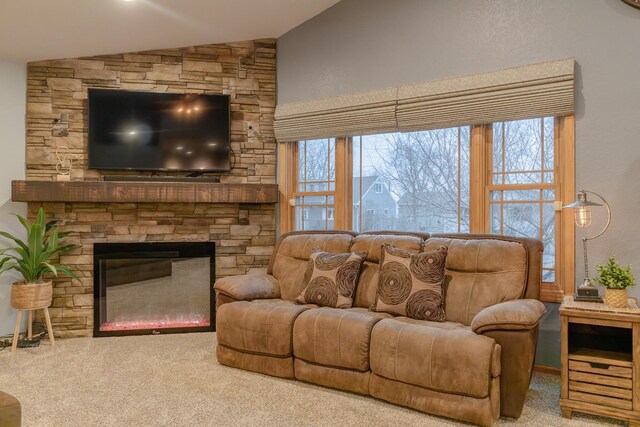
column 369, row 44
column 13, row 84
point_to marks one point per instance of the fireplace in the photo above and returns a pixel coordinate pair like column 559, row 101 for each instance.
column 153, row 288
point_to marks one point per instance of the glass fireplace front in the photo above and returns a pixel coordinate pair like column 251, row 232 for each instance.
column 153, row 288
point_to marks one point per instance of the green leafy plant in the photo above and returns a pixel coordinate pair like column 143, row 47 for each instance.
column 613, row 276
column 32, row 258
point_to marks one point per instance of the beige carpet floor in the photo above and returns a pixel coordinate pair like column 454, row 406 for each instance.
column 175, row 380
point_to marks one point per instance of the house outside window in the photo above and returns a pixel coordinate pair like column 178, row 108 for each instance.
column 327, row 214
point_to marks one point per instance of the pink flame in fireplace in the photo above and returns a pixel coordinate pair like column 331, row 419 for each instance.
column 126, row 325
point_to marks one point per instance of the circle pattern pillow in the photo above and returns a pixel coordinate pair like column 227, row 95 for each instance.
column 330, row 279
column 411, row 284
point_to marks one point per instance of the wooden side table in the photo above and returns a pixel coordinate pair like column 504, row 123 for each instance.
column 600, row 355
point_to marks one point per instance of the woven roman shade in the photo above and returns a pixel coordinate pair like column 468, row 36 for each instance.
column 357, row 114
column 538, row 90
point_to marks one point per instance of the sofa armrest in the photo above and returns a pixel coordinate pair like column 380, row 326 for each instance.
column 514, row 325
column 248, row 287
column 515, row 315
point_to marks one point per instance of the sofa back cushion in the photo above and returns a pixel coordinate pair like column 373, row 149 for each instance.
column 372, row 243
column 291, row 255
column 480, row 273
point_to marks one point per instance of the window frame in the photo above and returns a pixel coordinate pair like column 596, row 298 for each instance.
column 481, row 140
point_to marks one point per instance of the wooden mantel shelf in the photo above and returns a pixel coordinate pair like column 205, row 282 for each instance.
column 141, row 192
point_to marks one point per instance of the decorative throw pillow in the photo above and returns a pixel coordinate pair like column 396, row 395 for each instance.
column 330, row 279
column 410, row 284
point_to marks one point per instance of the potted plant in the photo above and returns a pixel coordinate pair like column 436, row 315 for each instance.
column 616, row 280
column 33, row 260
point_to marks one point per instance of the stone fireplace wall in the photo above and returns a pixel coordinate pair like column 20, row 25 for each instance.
column 244, row 237
column 57, row 117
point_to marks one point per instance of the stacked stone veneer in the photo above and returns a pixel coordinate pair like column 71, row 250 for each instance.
column 244, row 233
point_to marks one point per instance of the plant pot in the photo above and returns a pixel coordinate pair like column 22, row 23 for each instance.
column 31, row 296
column 616, row 298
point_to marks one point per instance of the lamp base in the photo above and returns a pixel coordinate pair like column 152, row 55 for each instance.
column 587, row 299
column 587, row 292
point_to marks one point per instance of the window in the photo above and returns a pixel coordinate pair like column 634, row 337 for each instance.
column 313, row 191
column 427, row 175
column 523, row 184
column 504, row 178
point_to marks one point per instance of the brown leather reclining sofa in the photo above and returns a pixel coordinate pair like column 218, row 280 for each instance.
column 474, row 367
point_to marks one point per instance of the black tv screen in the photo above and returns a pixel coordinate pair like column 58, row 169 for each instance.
column 158, row 131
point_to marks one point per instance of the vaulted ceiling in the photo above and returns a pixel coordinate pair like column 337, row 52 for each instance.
column 49, row 29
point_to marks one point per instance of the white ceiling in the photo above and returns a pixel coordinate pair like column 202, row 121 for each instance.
column 32, row 30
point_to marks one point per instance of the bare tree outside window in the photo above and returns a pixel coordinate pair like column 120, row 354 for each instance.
column 427, row 175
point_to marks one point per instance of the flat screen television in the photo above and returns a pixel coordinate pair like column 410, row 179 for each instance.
column 158, row 131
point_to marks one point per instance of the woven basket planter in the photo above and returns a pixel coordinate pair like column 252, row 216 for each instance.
column 31, row 296
column 615, row 298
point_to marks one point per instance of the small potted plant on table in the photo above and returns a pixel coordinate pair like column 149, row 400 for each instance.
column 616, row 280
column 33, row 260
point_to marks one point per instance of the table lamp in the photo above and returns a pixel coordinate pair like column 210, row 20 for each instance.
column 582, row 210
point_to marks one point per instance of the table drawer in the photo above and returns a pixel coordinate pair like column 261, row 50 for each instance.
column 605, row 380
column 602, row 400
column 620, row 393
column 601, row 368
column 601, row 382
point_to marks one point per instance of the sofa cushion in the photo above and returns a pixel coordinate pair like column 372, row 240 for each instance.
column 278, row 301
column 480, row 273
column 452, row 361
column 248, row 286
column 411, row 284
column 330, row 278
column 258, row 328
column 372, row 243
column 431, row 324
column 289, row 262
column 335, row 337
column 368, row 312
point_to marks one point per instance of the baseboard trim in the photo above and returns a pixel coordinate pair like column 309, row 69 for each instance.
column 546, row 369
